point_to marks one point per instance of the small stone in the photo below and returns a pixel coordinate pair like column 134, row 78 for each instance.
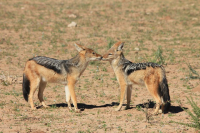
column 72, row 16
column 72, row 24
column 195, row 19
column 137, row 49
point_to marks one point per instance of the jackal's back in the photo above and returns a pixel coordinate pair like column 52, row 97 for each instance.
column 130, row 67
column 49, row 63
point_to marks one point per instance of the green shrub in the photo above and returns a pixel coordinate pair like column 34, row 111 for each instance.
column 194, row 114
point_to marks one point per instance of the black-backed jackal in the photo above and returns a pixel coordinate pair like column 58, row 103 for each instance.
column 150, row 75
column 40, row 70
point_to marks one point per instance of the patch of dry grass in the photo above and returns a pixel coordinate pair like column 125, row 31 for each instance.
column 40, row 27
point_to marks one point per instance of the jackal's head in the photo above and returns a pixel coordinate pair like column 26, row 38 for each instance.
column 87, row 53
column 114, row 52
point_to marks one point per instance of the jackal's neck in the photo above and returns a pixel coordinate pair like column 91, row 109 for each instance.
column 79, row 62
column 119, row 61
column 75, row 60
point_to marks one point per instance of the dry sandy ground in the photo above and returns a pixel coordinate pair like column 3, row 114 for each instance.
column 30, row 28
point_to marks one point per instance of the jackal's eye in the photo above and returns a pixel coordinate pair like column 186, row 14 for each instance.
column 109, row 54
column 93, row 53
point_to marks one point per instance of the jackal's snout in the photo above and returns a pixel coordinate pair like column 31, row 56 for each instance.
column 100, row 58
column 105, row 57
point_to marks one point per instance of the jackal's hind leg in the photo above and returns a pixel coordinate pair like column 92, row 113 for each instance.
column 40, row 93
column 34, row 84
column 129, row 91
column 152, row 84
column 154, row 92
column 68, row 97
column 158, row 103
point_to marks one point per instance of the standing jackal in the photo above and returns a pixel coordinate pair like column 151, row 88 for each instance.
column 40, row 70
column 150, row 75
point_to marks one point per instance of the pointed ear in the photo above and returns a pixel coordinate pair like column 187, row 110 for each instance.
column 78, row 47
column 120, row 47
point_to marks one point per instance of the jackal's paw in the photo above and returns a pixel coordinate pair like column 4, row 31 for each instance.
column 117, row 109
column 156, row 112
column 127, row 107
column 46, row 106
column 70, row 108
column 160, row 111
column 77, row 110
column 33, row 108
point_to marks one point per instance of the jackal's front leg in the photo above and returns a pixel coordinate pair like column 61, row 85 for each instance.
column 68, row 97
column 71, row 84
column 123, row 87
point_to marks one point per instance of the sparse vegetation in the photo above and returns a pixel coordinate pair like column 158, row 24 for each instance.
column 194, row 115
column 110, row 42
column 165, row 32
column 157, row 56
column 193, row 74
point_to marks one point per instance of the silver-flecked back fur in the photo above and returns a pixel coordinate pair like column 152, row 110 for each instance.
column 129, row 67
column 55, row 64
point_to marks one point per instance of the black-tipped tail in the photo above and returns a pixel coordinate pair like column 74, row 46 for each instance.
column 25, row 87
column 164, row 94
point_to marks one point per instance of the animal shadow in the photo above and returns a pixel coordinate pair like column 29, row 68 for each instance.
column 81, row 106
column 149, row 104
column 172, row 109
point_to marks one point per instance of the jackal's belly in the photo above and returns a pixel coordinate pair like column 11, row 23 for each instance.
column 137, row 77
column 58, row 80
column 54, row 78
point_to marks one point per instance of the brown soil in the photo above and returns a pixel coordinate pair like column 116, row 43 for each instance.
column 30, row 28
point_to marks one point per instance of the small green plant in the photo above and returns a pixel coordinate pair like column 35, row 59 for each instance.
column 171, row 57
column 104, row 69
column 194, row 114
column 119, row 128
column 115, row 79
column 81, row 132
column 129, row 115
column 118, row 117
column 193, row 74
column 110, row 42
column 5, row 83
column 48, row 124
column 104, row 126
column 95, row 63
column 53, row 106
column 158, row 56
column 138, row 107
column 2, row 104
column 170, row 114
column 102, row 101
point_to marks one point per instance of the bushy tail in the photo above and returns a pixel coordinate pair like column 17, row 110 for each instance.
column 164, row 94
column 25, row 87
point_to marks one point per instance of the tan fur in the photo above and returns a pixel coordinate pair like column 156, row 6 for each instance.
column 149, row 77
column 39, row 76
